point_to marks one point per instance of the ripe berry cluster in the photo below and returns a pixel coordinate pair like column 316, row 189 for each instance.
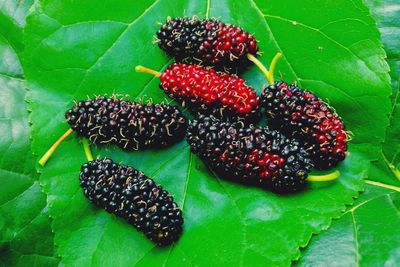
column 303, row 116
column 252, row 155
column 129, row 125
column 209, row 91
column 128, row 193
column 305, row 132
column 209, row 42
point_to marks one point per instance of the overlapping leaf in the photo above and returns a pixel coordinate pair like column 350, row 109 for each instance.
column 77, row 49
column 348, row 241
column 386, row 13
column 374, row 218
column 25, row 235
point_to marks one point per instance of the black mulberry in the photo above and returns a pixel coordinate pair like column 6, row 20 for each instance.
column 128, row 193
column 127, row 124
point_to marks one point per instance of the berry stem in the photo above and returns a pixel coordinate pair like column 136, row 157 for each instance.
column 140, row 68
column 324, row 178
column 53, row 148
column 272, row 68
column 268, row 74
column 86, row 148
column 259, row 64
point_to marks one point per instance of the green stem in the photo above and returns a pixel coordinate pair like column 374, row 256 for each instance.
column 140, row 68
column 392, row 187
column 269, row 74
column 324, row 178
column 259, row 64
column 86, row 148
column 272, row 67
column 53, row 148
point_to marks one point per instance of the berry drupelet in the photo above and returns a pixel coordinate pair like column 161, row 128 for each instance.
column 208, row 42
column 208, row 91
column 127, row 124
column 250, row 155
column 128, row 193
column 302, row 115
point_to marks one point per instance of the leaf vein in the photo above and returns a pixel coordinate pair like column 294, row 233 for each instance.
column 326, row 36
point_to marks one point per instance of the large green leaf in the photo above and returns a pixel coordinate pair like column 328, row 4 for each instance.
column 75, row 49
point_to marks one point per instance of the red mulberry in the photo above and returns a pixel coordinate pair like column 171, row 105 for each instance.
column 128, row 193
column 208, row 42
column 209, row 92
column 255, row 156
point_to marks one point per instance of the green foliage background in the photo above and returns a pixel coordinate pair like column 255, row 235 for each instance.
column 69, row 49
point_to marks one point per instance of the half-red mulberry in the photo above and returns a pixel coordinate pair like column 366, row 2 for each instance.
column 208, row 42
column 302, row 115
column 130, row 194
column 208, row 91
column 250, row 155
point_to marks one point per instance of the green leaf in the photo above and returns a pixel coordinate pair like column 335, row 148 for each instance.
column 12, row 20
column 387, row 168
column 75, row 49
column 23, row 212
column 366, row 234
column 387, row 13
column 25, row 234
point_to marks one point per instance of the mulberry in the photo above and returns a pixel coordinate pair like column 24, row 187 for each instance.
column 255, row 156
column 302, row 115
column 128, row 193
column 129, row 125
column 209, row 92
column 209, row 42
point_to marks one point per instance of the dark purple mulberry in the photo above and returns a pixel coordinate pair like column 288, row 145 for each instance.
column 127, row 124
column 128, row 193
